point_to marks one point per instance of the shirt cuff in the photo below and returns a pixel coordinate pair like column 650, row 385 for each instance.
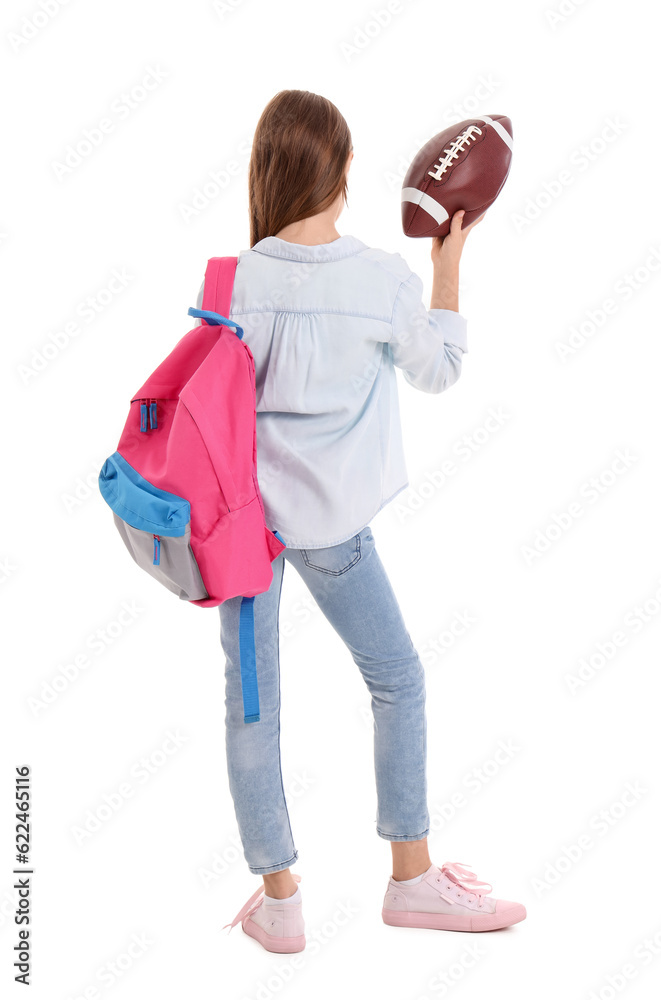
column 453, row 327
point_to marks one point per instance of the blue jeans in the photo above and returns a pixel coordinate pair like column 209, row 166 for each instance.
column 351, row 587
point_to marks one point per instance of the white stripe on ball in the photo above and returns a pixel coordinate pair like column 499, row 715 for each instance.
column 425, row 202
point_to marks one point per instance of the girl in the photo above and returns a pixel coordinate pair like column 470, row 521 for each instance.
column 326, row 318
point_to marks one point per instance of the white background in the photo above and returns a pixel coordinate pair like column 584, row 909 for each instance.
column 483, row 542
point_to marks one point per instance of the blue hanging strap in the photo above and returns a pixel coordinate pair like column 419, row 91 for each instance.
column 215, row 319
column 248, row 663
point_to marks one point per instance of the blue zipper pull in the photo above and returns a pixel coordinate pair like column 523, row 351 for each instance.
column 143, row 416
column 152, row 414
column 157, row 550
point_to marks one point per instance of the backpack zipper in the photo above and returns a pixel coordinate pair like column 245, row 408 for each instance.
column 148, row 406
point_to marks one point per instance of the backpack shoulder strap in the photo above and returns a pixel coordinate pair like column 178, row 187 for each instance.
column 218, row 283
column 217, row 297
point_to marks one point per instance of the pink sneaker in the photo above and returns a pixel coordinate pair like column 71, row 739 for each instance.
column 277, row 928
column 447, row 899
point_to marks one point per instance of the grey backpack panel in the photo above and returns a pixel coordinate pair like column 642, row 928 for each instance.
column 177, row 569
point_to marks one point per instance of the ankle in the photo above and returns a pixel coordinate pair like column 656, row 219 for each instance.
column 280, row 893
column 410, row 858
column 279, row 885
column 403, row 874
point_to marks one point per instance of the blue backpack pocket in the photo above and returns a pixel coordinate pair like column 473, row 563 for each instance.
column 155, row 527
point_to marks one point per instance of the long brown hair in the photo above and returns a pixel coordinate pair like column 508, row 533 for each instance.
column 297, row 163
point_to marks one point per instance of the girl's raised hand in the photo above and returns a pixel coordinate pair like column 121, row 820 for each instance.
column 450, row 247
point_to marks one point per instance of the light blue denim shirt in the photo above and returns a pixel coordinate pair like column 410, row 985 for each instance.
column 326, row 324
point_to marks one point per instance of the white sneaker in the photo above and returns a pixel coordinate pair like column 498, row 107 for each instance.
column 277, row 928
column 448, row 899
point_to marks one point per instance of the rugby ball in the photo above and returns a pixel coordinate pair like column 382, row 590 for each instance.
column 463, row 167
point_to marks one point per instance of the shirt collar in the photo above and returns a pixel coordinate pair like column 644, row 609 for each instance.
column 344, row 246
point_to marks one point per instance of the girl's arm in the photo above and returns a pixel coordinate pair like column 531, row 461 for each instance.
column 445, row 255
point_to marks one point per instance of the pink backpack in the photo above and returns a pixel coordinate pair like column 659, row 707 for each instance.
column 182, row 483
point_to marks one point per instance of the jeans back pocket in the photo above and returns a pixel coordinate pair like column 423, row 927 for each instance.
column 334, row 559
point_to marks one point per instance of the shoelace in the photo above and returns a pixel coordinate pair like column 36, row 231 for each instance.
column 461, row 875
column 253, row 903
